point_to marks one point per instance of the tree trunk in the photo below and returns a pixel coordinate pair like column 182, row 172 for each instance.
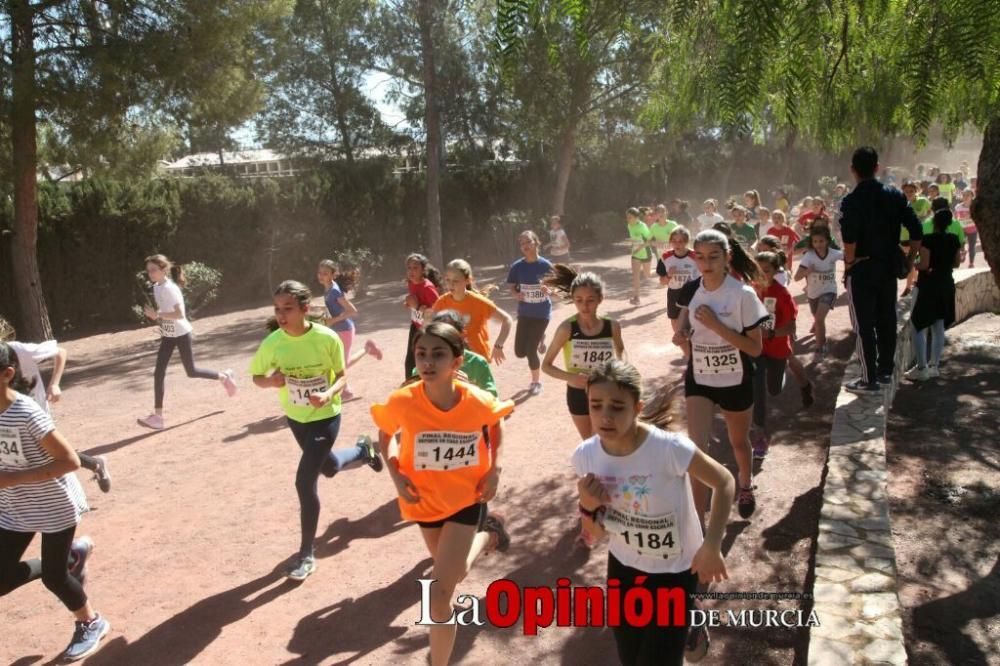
column 338, row 95
column 787, row 153
column 564, row 166
column 986, row 206
column 34, row 316
column 432, row 142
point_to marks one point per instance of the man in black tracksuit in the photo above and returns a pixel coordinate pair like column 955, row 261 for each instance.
column 871, row 220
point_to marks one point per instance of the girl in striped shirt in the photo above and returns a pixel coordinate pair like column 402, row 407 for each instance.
column 40, row 493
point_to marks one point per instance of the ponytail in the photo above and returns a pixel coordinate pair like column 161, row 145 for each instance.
column 430, row 272
column 741, row 262
column 175, row 271
column 177, row 275
column 8, row 359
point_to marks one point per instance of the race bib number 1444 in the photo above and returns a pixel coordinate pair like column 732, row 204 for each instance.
column 443, row 451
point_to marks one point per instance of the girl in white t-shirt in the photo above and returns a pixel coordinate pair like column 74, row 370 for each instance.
column 720, row 330
column 819, row 268
column 635, row 487
column 676, row 268
column 175, row 332
column 40, row 493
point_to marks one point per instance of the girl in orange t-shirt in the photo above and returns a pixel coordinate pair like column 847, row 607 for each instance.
column 476, row 310
column 446, row 467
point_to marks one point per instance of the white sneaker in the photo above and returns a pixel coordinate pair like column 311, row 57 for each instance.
column 228, row 380
column 917, row 374
column 933, row 372
column 535, row 388
column 154, row 421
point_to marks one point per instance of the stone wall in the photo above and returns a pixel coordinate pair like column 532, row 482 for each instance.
column 855, row 593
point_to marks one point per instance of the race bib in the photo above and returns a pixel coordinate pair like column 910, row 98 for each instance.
column 533, row 293
column 11, row 453
column 649, row 536
column 822, row 280
column 770, row 303
column 299, row 390
column 589, row 354
column 679, row 279
column 168, row 328
column 441, row 451
column 416, row 316
column 716, row 360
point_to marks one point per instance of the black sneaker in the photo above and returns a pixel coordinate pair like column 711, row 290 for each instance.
column 696, row 646
column 745, row 503
column 884, row 378
column 495, row 525
column 807, row 395
column 371, row 456
column 859, row 385
column 102, row 474
column 78, row 554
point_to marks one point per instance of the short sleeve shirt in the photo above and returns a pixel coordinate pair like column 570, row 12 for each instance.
column 661, row 232
column 781, row 309
column 685, row 269
column 168, row 296
column 310, row 363
column 443, row 453
column 639, row 235
column 29, row 356
column 426, row 294
column 478, row 370
column 651, row 520
column 527, row 276
column 476, row 311
column 44, row 506
column 333, row 306
column 745, row 233
column 823, row 279
column 718, row 363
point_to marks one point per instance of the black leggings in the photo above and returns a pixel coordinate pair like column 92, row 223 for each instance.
column 167, row 345
column 316, row 438
column 529, row 333
column 53, row 568
column 646, row 646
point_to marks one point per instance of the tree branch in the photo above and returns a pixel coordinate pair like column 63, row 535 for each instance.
column 843, row 52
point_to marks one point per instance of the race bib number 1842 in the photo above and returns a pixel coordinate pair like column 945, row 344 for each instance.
column 590, row 354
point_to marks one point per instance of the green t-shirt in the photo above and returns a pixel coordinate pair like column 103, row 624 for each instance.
column 310, row 363
column 661, row 232
column 921, row 206
column 745, row 233
column 954, row 228
column 639, row 233
column 947, row 190
column 478, row 370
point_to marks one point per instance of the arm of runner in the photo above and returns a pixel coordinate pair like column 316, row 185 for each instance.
column 593, row 496
column 555, row 348
column 487, row 486
column 682, row 338
column 54, row 391
column 404, row 487
column 273, row 380
column 506, row 321
column 350, row 312
column 708, row 561
column 616, row 340
column 323, row 398
column 64, row 461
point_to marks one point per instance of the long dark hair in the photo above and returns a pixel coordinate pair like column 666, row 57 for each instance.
column 566, row 280
column 430, row 272
column 294, row 288
column 739, row 261
column 346, row 280
column 8, row 359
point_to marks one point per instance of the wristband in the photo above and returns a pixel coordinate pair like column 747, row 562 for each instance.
column 591, row 514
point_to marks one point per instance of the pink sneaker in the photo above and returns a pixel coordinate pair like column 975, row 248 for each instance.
column 228, row 380
column 154, row 421
column 372, row 350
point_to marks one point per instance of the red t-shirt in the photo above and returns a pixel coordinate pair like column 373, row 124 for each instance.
column 782, row 308
column 426, row 294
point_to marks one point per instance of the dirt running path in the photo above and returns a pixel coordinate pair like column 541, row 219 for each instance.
column 192, row 540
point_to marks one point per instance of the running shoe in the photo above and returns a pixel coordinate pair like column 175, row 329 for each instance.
column 917, row 374
column 933, row 372
column 495, row 525
column 760, row 445
column 86, row 638
column 371, row 456
column 373, row 349
column 807, row 395
column 820, row 353
column 696, row 646
column 79, row 551
column 304, row 567
column 535, row 388
column 906, row 292
column 346, row 395
column 860, row 386
column 884, row 378
column 228, row 380
column 154, row 421
column 102, row 474
column 745, row 503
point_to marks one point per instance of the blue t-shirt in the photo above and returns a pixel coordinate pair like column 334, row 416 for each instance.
column 528, row 278
column 333, row 296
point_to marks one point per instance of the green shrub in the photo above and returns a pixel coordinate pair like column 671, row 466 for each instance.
column 200, row 289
